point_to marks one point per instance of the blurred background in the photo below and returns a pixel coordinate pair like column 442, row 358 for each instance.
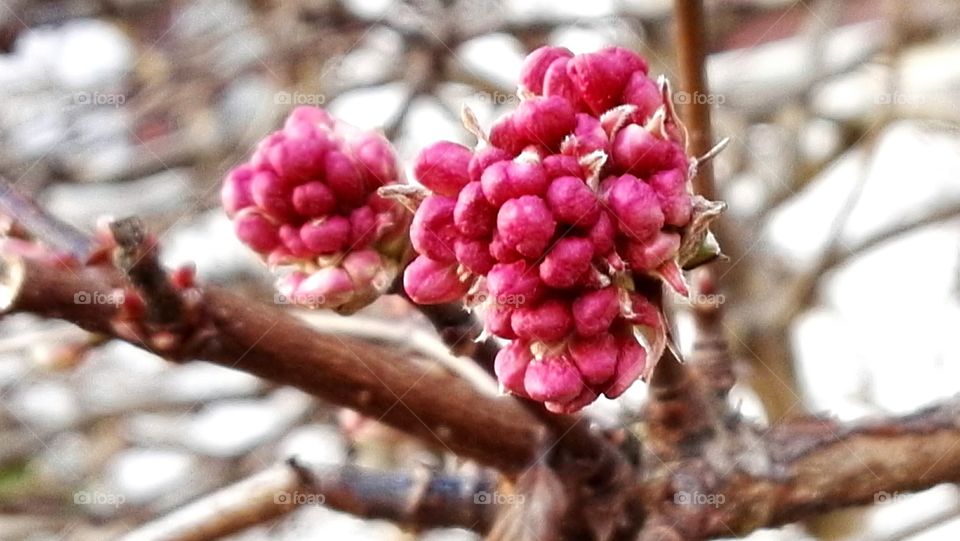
column 843, row 231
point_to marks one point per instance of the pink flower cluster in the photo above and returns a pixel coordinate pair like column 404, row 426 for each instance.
column 306, row 201
column 577, row 201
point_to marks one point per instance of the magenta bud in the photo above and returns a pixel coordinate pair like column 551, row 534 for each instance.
column 271, row 195
column 501, row 251
column 594, row 312
column 431, row 282
column 306, row 120
column 503, row 181
column 473, row 215
column 474, row 255
column 260, row 158
column 256, row 230
column 363, row 227
column 545, row 121
column 432, row 231
column 588, row 136
column 496, row 319
column 602, row 235
column 548, row 322
column 602, row 76
column 556, row 82
column 635, row 150
column 506, row 135
column 235, row 193
column 636, row 207
column 526, row 225
column 345, row 179
column 515, row 280
column 363, row 267
column 671, row 188
column 443, row 167
column 573, row 202
column 483, row 158
column 553, row 378
column 595, row 358
column 535, row 66
column 298, row 159
column 586, row 397
column 631, row 361
column 290, row 237
column 561, row 165
column 326, row 235
column 329, row 286
column 643, row 92
column 313, row 199
column 510, row 366
column 375, row 157
column 567, row 261
column 647, row 256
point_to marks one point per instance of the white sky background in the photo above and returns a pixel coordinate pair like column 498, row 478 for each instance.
column 884, row 339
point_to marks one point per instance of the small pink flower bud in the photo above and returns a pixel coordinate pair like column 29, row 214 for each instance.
column 572, row 202
column 535, row 66
column 271, row 195
column 526, row 225
column 631, row 361
column 637, row 151
column 545, row 121
column 503, row 181
column 377, row 161
column 643, row 92
column 326, row 235
column 516, row 280
column 443, row 168
column 305, row 121
column 474, row 255
column 671, row 188
column 496, row 319
column 255, row 230
column 585, row 398
column 510, row 366
column 235, row 194
column 501, row 251
column 594, row 312
column 313, row 199
column 602, row 76
column 363, row 227
column 548, row 322
column 261, row 155
column 553, row 378
column 636, row 207
column 504, row 134
column 365, row 268
column 561, row 165
column 566, row 262
column 290, row 237
column 299, row 158
column 329, row 286
column 485, row 157
column 345, row 179
column 556, row 82
column 432, row 231
column 431, row 282
column 473, row 215
column 595, row 358
column 602, row 235
column 588, row 136
column 649, row 255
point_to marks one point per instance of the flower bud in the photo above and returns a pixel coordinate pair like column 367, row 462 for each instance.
column 566, row 262
column 473, row 215
column 572, row 202
column 636, row 207
column 345, row 179
column 431, row 282
column 649, row 255
column 313, row 199
column 671, row 188
column 503, row 181
column 497, row 320
column 443, row 168
column 235, row 194
column 595, row 358
column 545, row 121
column 511, row 364
column 255, row 230
column 637, row 151
column 328, row 287
column 535, row 66
column 526, row 225
column 484, row 158
column 326, row 235
column 547, row 322
column 643, row 92
column 514, row 280
column 474, row 255
column 631, row 361
column 433, row 232
column 553, row 378
column 594, row 311
column 602, row 76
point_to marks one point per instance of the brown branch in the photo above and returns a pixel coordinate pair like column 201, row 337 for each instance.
column 425, row 502
column 437, row 407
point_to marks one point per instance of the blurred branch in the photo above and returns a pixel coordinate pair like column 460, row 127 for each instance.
column 420, row 502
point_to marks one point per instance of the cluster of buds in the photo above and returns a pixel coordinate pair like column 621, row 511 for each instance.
column 562, row 225
column 307, row 202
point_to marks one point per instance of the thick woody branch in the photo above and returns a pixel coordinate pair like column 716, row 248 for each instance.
column 428, row 403
column 427, row 501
